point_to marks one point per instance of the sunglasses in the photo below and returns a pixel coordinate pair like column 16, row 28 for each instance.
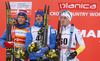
column 66, row 12
column 39, row 10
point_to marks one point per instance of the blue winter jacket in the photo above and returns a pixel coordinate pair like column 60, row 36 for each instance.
column 29, row 39
column 3, row 37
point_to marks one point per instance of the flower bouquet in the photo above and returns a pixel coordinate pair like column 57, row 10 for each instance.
column 33, row 47
column 52, row 54
column 21, row 53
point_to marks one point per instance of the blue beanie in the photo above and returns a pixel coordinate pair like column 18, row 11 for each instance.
column 22, row 13
column 39, row 11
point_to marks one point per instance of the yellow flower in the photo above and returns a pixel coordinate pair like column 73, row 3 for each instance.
column 48, row 55
column 15, row 51
column 51, row 53
column 33, row 45
column 52, row 50
column 22, row 55
column 17, row 57
column 23, row 52
column 51, row 56
column 55, row 55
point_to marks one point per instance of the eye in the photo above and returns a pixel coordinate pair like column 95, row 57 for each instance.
column 36, row 16
column 22, row 17
column 19, row 17
column 39, row 15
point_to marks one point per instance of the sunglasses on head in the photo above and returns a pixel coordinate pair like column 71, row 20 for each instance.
column 39, row 10
column 66, row 12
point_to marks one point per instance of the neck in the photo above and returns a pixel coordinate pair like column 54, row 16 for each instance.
column 65, row 25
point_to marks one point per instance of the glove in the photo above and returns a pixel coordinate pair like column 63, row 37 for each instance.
column 9, row 44
column 39, row 54
column 72, row 55
column 43, row 49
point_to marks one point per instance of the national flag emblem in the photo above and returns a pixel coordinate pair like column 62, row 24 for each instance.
column 21, row 13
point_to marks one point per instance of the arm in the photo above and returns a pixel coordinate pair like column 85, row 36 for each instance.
column 81, row 47
column 52, row 38
column 28, row 39
column 80, row 42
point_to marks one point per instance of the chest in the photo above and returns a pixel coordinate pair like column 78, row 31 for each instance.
column 66, row 38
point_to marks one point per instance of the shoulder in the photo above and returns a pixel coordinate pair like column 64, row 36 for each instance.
column 52, row 29
column 76, row 30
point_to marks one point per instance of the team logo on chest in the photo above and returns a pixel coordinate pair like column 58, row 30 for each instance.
column 65, row 34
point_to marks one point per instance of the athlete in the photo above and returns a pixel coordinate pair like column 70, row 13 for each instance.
column 66, row 17
column 21, row 29
column 32, row 35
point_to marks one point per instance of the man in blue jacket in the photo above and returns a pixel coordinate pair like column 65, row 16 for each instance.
column 21, row 29
column 33, row 32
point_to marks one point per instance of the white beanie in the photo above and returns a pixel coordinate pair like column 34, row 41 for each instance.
column 67, row 14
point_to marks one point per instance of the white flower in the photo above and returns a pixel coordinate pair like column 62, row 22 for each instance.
column 49, row 52
column 32, row 43
column 53, row 50
column 29, row 45
column 18, row 52
column 21, row 51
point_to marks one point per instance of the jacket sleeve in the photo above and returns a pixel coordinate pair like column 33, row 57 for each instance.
column 52, row 38
column 3, row 39
column 28, row 39
column 80, row 41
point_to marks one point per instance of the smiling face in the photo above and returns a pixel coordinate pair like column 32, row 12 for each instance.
column 21, row 20
column 65, row 21
column 39, row 18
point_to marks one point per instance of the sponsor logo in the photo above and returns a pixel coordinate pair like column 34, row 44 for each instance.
column 21, row 33
column 52, row 31
column 65, row 34
column 90, row 33
column 16, row 6
column 19, row 39
column 54, row 13
column 78, row 6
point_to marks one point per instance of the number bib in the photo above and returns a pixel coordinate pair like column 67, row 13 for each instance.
column 65, row 40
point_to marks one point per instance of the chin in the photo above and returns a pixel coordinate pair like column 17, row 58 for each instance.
column 21, row 23
column 64, row 25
